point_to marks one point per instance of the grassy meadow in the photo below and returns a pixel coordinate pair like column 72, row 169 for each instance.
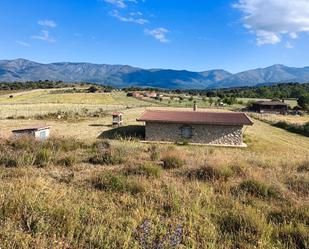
column 77, row 191
column 41, row 102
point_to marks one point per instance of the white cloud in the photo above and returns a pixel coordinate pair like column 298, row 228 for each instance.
column 47, row 23
column 120, row 3
column 45, row 36
column 270, row 20
column 22, row 43
column 289, row 45
column 116, row 14
column 138, row 13
column 158, row 33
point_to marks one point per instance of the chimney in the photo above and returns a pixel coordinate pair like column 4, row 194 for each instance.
column 194, row 106
column 282, row 100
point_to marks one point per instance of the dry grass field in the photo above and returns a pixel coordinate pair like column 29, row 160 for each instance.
column 78, row 191
column 273, row 118
column 41, row 102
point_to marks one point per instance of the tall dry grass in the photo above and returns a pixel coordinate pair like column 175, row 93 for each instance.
column 53, row 197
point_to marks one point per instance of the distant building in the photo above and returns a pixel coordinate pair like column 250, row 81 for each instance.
column 137, row 95
column 117, row 118
column 275, row 107
column 40, row 132
column 152, row 95
column 214, row 128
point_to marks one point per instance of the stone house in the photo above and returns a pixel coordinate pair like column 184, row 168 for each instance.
column 274, row 107
column 213, row 128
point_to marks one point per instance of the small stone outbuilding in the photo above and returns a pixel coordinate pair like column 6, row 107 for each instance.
column 213, row 128
column 39, row 132
column 117, row 118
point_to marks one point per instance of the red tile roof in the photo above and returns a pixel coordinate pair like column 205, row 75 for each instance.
column 191, row 117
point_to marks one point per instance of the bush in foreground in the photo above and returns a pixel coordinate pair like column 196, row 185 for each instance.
column 241, row 227
column 154, row 153
column 8, row 160
column 289, row 215
column 208, row 173
column 172, row 161
column 147, row 169
column 43, row 158
column 110, row 156
column 303, row 167
column 67, row 161
column 256, row 189
column 293, row 237
column 299, row 185
column 116, row 182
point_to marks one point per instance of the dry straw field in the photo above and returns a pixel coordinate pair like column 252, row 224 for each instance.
column 78, row 191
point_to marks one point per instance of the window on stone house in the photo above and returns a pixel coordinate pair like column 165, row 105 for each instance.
column 186, row 132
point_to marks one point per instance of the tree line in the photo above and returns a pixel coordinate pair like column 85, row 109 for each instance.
column 48, row 84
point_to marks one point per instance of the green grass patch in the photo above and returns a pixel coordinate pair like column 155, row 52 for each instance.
column 116, row 182
column 256, row 189
column 146, row 169
column 243, row 228
column 209, row 173
column 293, row 237
column 172, row 161
column 299, row 184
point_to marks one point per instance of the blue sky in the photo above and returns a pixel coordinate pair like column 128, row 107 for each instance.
column 197, row 35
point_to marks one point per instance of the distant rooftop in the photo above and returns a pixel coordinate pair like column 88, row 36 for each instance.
column 117, row 113
column 273, row 103
column 193, row 117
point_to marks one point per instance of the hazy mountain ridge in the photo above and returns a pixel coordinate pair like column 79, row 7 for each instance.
column 272, row 74
column 123, row 75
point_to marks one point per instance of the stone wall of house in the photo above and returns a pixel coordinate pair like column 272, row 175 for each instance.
column 204, row 134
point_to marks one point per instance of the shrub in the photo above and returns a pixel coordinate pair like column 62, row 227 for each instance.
column 109, row 181
column 148, row 170
column 66, row 145
column 295, row 128
column 208, row 173
column 289, row 215
column 116, row 182
column 293, row 237
column 43, row 158
column 101, row 158
column 238, row 169
column 102, row 145
column 154, row 153
column 241, row 227
column 256, row 189
column 172, row 161
column 299, row 185
column 23, row 143
column 67, row 161
column 134, row 187
column 109, row 157
column 304, row 167
column 8, row 160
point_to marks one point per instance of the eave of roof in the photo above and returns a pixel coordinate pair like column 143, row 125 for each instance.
column 39, row 128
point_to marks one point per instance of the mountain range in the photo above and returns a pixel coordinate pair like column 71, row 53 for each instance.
column 124, row 76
